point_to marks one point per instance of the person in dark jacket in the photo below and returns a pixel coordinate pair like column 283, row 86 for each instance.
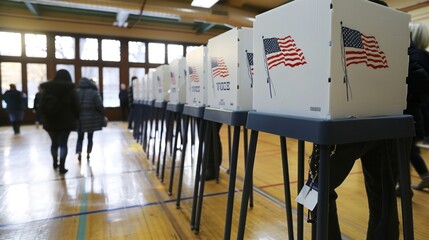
column 15, row 105
column 59, row 109
column 123, row 101
column 36, row 108
column 91, row 114
column 420, row 38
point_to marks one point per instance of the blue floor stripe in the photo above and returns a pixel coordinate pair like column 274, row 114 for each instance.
column 81, row 233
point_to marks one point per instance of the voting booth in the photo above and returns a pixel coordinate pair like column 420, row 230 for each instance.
column 230, row 57
column 144, row 87
column 178, row 81
column 150, row 86
column 331, row 59
column 196, row 77
column 138, row 90
column 161, row 81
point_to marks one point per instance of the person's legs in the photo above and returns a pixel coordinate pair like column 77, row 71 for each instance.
column 54, row 148
column 90, row 144
column 63, row 138
column 342, row 160
column 130, row 118
column 13, row 119
column 380, row 180
column 211, row 167
column 79, row 143
column 420, row 166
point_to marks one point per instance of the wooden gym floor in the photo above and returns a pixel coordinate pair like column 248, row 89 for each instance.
column 116, row 195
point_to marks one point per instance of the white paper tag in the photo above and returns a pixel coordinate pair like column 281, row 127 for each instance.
column 302, row 194
column 311, row 200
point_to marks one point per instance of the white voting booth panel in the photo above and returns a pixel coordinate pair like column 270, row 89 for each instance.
column 196, row 77
column 138, row 90
column 331, row 59
column 178, row 81
column 144, row 87
column 230, row 57
column 151, row 90
column 161, row 82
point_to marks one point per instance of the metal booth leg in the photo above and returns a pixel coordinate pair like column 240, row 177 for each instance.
column 232, row 180
column 201, row 135
column 174, row 149
column 247, row 186
column 286, row 185
column 182, row 159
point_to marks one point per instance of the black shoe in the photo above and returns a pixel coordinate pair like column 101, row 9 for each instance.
column 79, row 157
column 63, row 171
column 55, row 165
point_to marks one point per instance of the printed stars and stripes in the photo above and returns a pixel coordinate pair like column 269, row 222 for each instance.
column 219, row 68
column 360, row 48
column 283, row 51
column 250, row 62
column 193, row 75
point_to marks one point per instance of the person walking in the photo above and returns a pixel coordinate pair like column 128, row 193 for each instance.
column 91, row 115
column 420, row 108
column 36, row 108
column 123, row 101
column 15, row 105
column 59, row 110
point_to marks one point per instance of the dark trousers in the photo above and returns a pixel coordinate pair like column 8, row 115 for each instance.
column 59, row 142
column 211, row 168
column 379, row 163
column 80, row 137
column 417, row 160
column 124, row 112
column 130, row 118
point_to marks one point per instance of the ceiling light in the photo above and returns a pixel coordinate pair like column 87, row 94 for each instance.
column 204, row 3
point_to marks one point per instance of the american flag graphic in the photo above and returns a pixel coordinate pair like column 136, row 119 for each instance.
column 219, row 68
column 193, row 75
column 250, row 62
column 360, row 48
column 283, row 51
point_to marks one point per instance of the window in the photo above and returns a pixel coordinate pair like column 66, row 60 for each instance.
column 91, row 73
column 36, row 74
column 110, row 87
column 174, row 51
column 64, row 47
column 136, row 52
column 156, row 53
column 10, row 44
column 35, row 45
column 88, row 49
column 111, row 50
column 69, row 68
column 190, row 48
column 10, row 74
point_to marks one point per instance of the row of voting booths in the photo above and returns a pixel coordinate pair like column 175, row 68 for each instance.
column 305, row 69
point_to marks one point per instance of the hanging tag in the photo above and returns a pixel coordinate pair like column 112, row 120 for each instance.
column 303, row 194
column 311, row 200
